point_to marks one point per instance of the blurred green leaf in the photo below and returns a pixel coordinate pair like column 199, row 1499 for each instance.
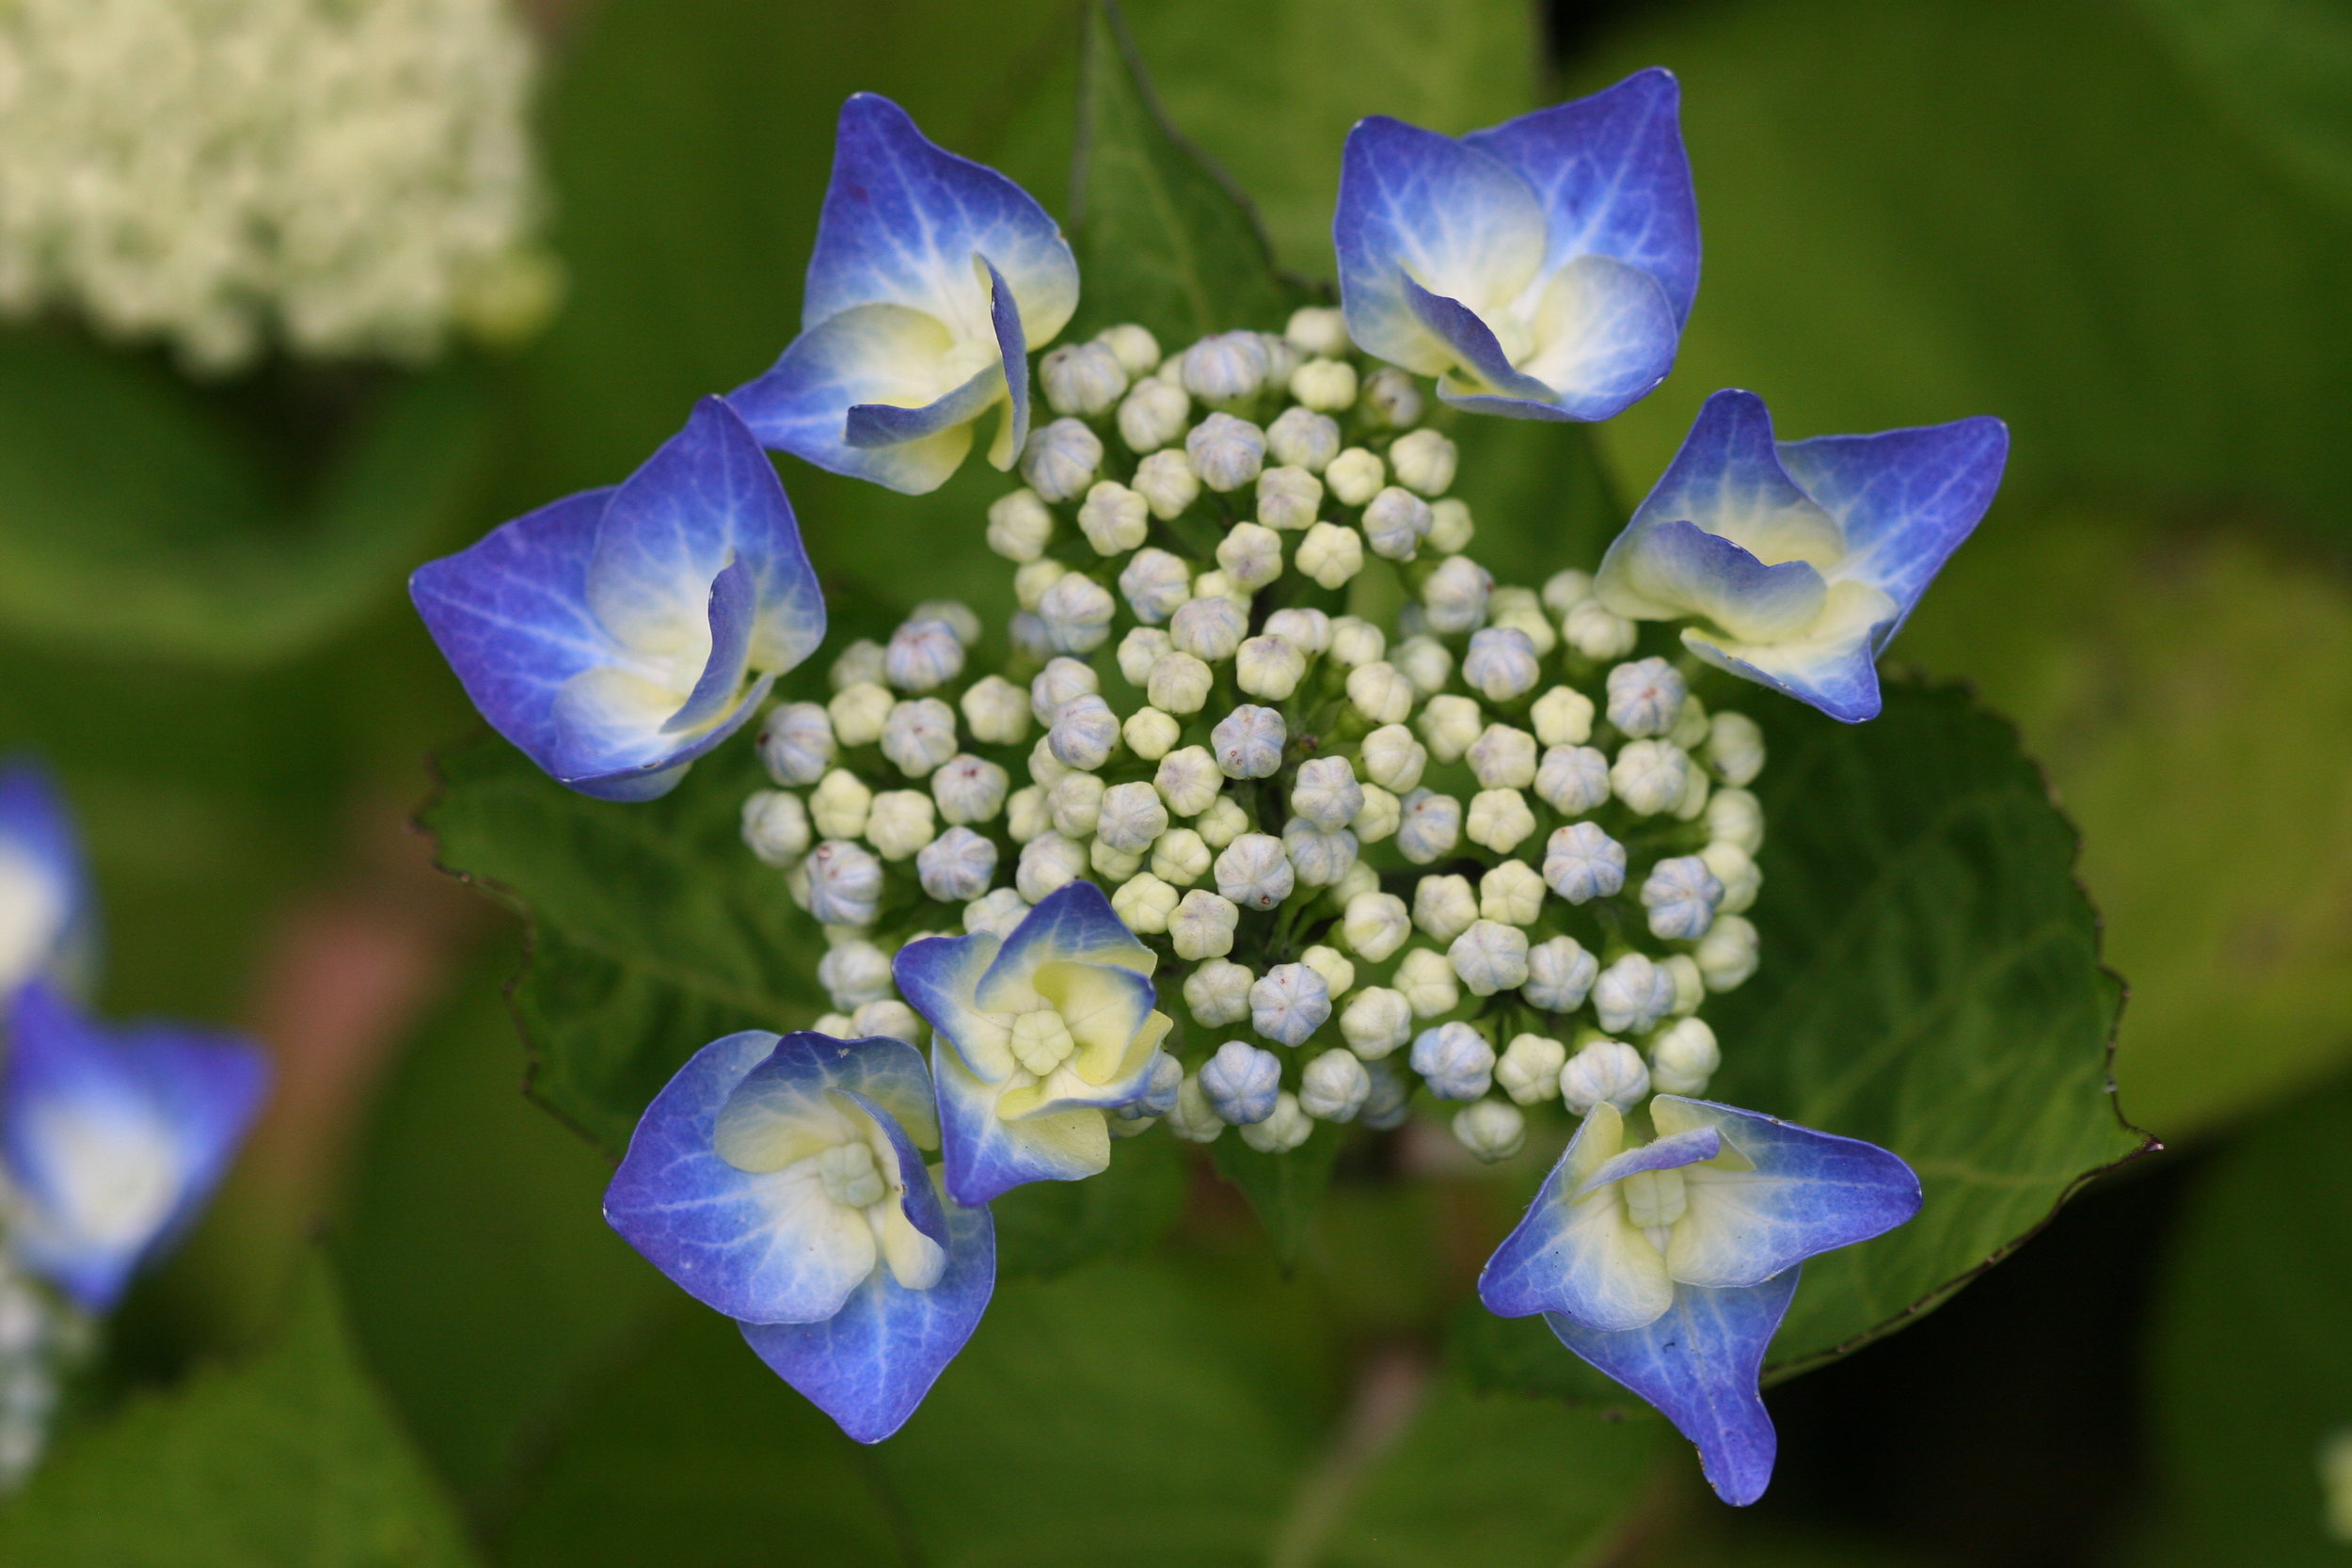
column 1539, row 495
column 2282, row 68
column 1048, row 1228
column 290, row 1458
column 1954, row 207
column 1522, row 1355
column 2251, row 1371
column 136, row 521
column 1285, row 1188
column 484, row 1281
column 2191, row 693
column 1161, row 237
column 1931, row 982
column 653, row 930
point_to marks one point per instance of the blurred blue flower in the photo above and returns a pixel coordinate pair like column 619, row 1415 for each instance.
column 1800, row 560
column 46, row 925
column 112, row 1139
column 932, row 279
column 1038, row 1036
column 1668, row 1266
column 780, row 1181
column 1542, row 268
column 617, row 634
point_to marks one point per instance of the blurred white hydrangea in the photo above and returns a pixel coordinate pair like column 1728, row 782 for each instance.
column 346, row 178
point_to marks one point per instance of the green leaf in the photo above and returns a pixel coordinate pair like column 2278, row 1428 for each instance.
column 1537, row 493
column 137, row 522
column 1284, row 1189
column 2282, row 70
column 2250, row 1371
column 1522, row 1355
column 653, row 930
column 1931, row 982
column 1162, row 238
column 1048, row 1228
column 290, row 1458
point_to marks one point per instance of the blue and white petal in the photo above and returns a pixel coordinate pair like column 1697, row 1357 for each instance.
column 1699, row 1363
column 112, row 1140
column 1073, row 924
column 869, row 1365
column 939, row 977
column 1779, row 1194
column 985, row 1156
column 47, row 922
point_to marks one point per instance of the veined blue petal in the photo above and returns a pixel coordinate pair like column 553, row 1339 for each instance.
column 1670, row 1151
column 113, row 1139
column 1605, row 336
column 867, row 357
column 1614, row 180
column 1455, row 220
column 47, row 922
column 1012, row 347
column 938, row 976
column 609, row 742
column 1669, row 567
column 1075, row 924
column 1835, row 673
column 1574, row 1251
column 986, row 1155
column 1905, row 498
column 869, row 1365
column 732, row 612
column 882, row 424
column 1808, row 1193
column 903, row 219
column 1727, row 479
column 1698, row 1364
column 1476, row 348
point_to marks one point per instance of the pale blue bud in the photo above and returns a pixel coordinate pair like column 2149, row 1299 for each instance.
column 1131, row 817
column 1455, row 1060
column 1500, row 664
column 1254, row 872
column 844, row 883
column 1154, row 583
column 1389, row 1102
column 1560, row 975
column 1062, row 459
column 1228, row 367
column 957, row 866
column 853, row 974
column 1645, row 697
column 995, row 913
column 1430, row 827
column 1320, row 858
column 1609, row 1071
column 923, row 656
column 1302, row 438
column 1081, row 378
column 1210, row 629
column 796, row 743
column 1085, row 733
column 1225, row 451
column 1456, row 592
column 1289, row 1003
column 1325, row 793
column 1681, row 894
column 1077, row 614
column 918, row 736
column 1583, row 864
column 1573, row 780
column 1160, row 1088
column 1248, row 742
column 1334, row 1086
column 1392, row 394
column 1241, row 1082
column 1395, row 521
column 1632, row 994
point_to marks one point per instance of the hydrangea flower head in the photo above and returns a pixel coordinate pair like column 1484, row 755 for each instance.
column 111, row 1140
column 781, row 1181
column 1669, row 1265
column 617, row 634
column 1038, row 1034
column 932, row 279
column 44, row 891
column 1800, row 560
column 1541, row 268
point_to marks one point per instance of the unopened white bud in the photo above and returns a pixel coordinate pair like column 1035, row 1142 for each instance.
column 1019, row 526
column 1529, row 1070
column 1242, row 1082
column 1645, row 696
column 1248, row 742
column 1632, row 994
column 1326, row 386
column 1151, row 734
column 995, row 913
column 1563, row 717
column 1649, row 776
column 1455, row 597
column 1302, row 438
column 1044, row 768
column 1210, row 629
column 1689, row 984
column 1133, row 346
column 1320, row 857
column 1318, row 329
column 919, row 735
column 1375, row 1022
column 1194, row 1120
column 1152, row 415
column 1583, row 864
column 923, row 656
column 1444, row 907
column 1031, row 581
column 1287, row 497
column 1085, row 733
column 1500, row 820
column 1141, row 648
column 1511, row 894
column 1736, row 869
column 1501, row 665
column 840, row 805
column 1361, row 879
column 900, row 822
column 1251, row 554
column 1048, row 862
column 1204, row 924
column 997, row 711
column 1607, row 1072
column 1573, row 780
column 1325, row 793
column 1167, row 482
column 1735, row 748
column 1381, row 692
column 1355, row 476
column 1428, row 982
column 1338, row 975
column 1518, row 609
column 1077, row 613
column 796, row 743
column 1225, row 452
column 1683, row 1057
column 1680, row 894
column 1491, row 1130
column 1564, row 590
column 861, row 663
column 969, row 789
column 1726, row 954
column 1223, row 822
column 1255, row 871
column 1229, row 367
column 1691, row 726
column 1375, row 926
column 1735, row 817
column 957, row 866
column 1114, row 518
column 1560, row 975
column 1489, row 956
column 1131, row 817
column 1334, row 1086
column 1290, row 1002
column 1395, row 521
column 859, row 711
column 1450, row 724
column 1430, row 827
column 1424, row 460
column 1392, row 758
column 1356, row 641
column 1143, row 903
column 1061, row 460
column 1450, row 528
column 1081, row 378
column 1455, row 1060
column 1180, row 857
column 1378, row 816
column 1393, row 396
column 1284, row 1128
column 1597, row 632
column 1503, row 758
column 1178, row 683
column 1026, row 815
column 887, row 1020
column 1216, row 585
column 776, row 826
column 1188, row 780
column 1218, row 992
column 854, row 972
column 844, row 883
column 1268, row 667
column 1075, row 801
column 1426, row 662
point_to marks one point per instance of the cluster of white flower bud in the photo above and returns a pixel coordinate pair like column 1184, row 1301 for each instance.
column 1485, row 853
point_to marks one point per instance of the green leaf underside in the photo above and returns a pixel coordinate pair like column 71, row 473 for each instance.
column 2251, row 1371
column 1931, row 983
column 653, row 930
column 1286, row 1189
column 1046, row 1228
column 1162, row 237
column 290, row 1458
